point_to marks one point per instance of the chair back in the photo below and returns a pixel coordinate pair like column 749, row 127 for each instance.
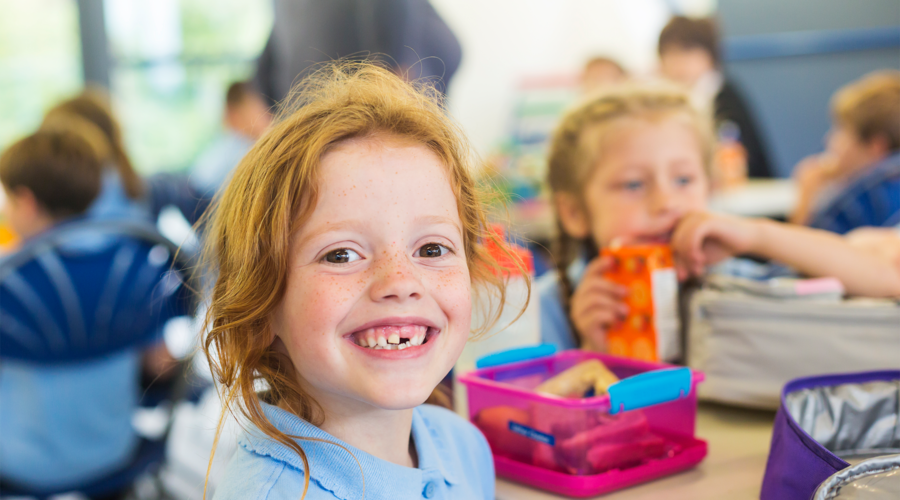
column 90, row 288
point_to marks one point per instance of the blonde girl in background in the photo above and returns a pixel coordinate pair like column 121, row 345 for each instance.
column 631, row 166
column 346, row 248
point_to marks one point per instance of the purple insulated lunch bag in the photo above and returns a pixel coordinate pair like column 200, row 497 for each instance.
column 826, row 422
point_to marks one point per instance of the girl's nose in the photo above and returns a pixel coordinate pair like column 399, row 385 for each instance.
column 662, row 200
column 396, row 280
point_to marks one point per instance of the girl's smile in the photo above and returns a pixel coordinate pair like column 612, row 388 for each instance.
column 394, row 335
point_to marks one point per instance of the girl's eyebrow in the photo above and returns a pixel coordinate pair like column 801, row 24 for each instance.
column 357, row 225
column 433, row 220
column 344, row 225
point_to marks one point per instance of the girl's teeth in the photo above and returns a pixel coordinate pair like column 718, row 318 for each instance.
column 408, row 331
column 374, row 338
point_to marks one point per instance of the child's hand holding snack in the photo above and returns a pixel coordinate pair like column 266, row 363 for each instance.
column 596, row 304
column 702, row 238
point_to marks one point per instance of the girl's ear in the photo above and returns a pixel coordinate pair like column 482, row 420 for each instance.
column 278, row 344
column 575, row 221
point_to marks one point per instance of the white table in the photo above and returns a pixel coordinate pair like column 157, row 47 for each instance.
column 757, row 198
column 733, row 469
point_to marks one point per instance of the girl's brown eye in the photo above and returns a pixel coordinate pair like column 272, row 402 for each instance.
column 432, row 250
column 341, row 256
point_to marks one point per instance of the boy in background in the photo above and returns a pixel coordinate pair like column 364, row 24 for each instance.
column 856, row 181
column 48, row 177
column 689, row 55
column 246, row 118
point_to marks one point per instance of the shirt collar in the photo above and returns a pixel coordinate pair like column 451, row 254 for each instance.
column 431, row 448
column 336, row 470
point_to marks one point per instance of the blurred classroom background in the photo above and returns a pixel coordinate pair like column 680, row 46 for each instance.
column 168, row 63
column 509, row 69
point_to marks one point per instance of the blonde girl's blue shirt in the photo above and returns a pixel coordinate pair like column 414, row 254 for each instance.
column 454, row 462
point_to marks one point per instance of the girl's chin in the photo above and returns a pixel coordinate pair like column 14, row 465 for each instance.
column 400, row 402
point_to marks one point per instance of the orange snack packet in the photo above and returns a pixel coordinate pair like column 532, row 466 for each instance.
column 651, row 330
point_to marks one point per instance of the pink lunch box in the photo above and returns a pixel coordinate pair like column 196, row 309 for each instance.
column 642, row 430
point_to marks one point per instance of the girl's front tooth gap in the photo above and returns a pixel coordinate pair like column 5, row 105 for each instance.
column 393, row 337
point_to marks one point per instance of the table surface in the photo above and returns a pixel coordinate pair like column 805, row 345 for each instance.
column 738, row 442
column 757, row 198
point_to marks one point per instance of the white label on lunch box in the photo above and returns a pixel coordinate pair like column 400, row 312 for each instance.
column 532, row 433
column 664, row 283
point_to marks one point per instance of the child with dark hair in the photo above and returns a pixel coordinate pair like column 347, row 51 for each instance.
column 246, row 118
column 62, row 426
column 689, row 55
column 49, row 176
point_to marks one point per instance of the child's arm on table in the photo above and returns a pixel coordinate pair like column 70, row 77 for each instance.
column 704, row 238
column 880, row 242
column 596, row 304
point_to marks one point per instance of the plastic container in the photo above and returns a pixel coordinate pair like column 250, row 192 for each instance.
column 508, row 332
column 643, row 429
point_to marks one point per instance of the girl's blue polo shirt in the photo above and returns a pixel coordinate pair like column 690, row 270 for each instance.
column 454, row 462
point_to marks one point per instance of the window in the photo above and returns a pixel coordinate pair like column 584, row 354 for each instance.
column 172, row 62
column 40, row 62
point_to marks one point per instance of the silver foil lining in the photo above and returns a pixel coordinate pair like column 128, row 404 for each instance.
column 850, row 420
column 873, row 479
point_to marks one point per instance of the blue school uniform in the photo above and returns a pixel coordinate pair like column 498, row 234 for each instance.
column 872, row 199
column 113, row 202
column 555, row 326
column 64, row 425
column 454, row 462
column 50, row 438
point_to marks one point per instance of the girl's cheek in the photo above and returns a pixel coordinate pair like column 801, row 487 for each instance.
column 319, row 297
column 452, row 288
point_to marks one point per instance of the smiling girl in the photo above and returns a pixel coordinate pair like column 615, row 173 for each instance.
column 346, row 248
